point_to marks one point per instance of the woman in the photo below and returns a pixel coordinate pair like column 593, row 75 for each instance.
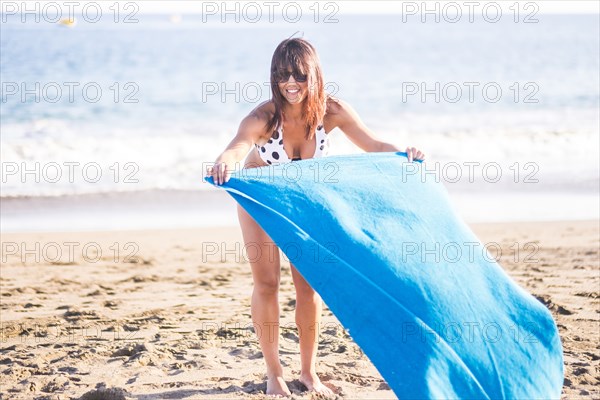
column 300, row 108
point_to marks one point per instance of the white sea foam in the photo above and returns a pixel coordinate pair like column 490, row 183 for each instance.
column 35, row 154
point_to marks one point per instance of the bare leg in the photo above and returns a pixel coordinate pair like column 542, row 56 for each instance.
column 308, row 320
column 264, row 260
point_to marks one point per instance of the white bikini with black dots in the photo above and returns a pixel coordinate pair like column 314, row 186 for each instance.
column 273, row 151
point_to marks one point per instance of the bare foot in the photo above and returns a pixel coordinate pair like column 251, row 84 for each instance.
column 314, row 384
column 276, row 386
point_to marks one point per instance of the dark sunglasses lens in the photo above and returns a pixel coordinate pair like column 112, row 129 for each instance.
column 299, row 77
column 284, row 76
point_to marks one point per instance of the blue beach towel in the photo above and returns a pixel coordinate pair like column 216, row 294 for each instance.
column 411, row 283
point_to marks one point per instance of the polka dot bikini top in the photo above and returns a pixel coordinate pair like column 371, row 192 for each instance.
column 273, row 151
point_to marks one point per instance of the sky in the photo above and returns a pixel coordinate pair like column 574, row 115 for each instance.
column 354, row 7
column 377, row 7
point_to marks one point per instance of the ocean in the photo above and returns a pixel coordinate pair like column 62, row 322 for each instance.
column 129, row 114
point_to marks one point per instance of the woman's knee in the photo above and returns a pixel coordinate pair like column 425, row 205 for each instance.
column 266, row 286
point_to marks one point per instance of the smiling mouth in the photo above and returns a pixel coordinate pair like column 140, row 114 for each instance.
column 292, row 94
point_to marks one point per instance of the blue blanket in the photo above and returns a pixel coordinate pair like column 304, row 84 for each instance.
column 416, row 290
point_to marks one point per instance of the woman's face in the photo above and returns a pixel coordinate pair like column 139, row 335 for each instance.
column 292, row 85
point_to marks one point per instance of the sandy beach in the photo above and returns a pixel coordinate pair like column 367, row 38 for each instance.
column 123, row 273
column 165, row 314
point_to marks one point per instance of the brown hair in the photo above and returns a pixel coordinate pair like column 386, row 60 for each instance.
column 299, row 55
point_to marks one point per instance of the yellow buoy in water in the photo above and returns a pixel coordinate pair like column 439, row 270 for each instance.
column 67, row 22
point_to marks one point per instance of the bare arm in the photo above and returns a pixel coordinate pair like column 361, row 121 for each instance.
column 248, row 133
column 350, row 123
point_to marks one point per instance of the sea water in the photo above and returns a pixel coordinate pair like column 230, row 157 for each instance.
column 130, row 114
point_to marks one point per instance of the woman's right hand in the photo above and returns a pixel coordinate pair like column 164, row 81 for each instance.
column 220, row 171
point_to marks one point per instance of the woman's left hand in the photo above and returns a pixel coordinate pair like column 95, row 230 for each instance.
column 414, row 154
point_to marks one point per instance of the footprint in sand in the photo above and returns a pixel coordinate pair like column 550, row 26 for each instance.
column 291, row 335
column 351, row 364
column 547, row 301
column 245, row 353
column 221, row 279
column 75, row 314
column 142, row 279
column 106, row 394
column 139, row 260
column 112, row 304
column 580, row 371
column 290, row 305
column 593, row 295
column 58, row 383
column 254, row 388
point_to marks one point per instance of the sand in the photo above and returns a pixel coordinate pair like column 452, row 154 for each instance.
column 166, row 314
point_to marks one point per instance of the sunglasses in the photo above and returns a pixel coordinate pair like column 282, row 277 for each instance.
column 284, row 76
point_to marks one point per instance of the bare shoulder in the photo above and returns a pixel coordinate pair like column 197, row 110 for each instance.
column 256, row 121
column 337, row 111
